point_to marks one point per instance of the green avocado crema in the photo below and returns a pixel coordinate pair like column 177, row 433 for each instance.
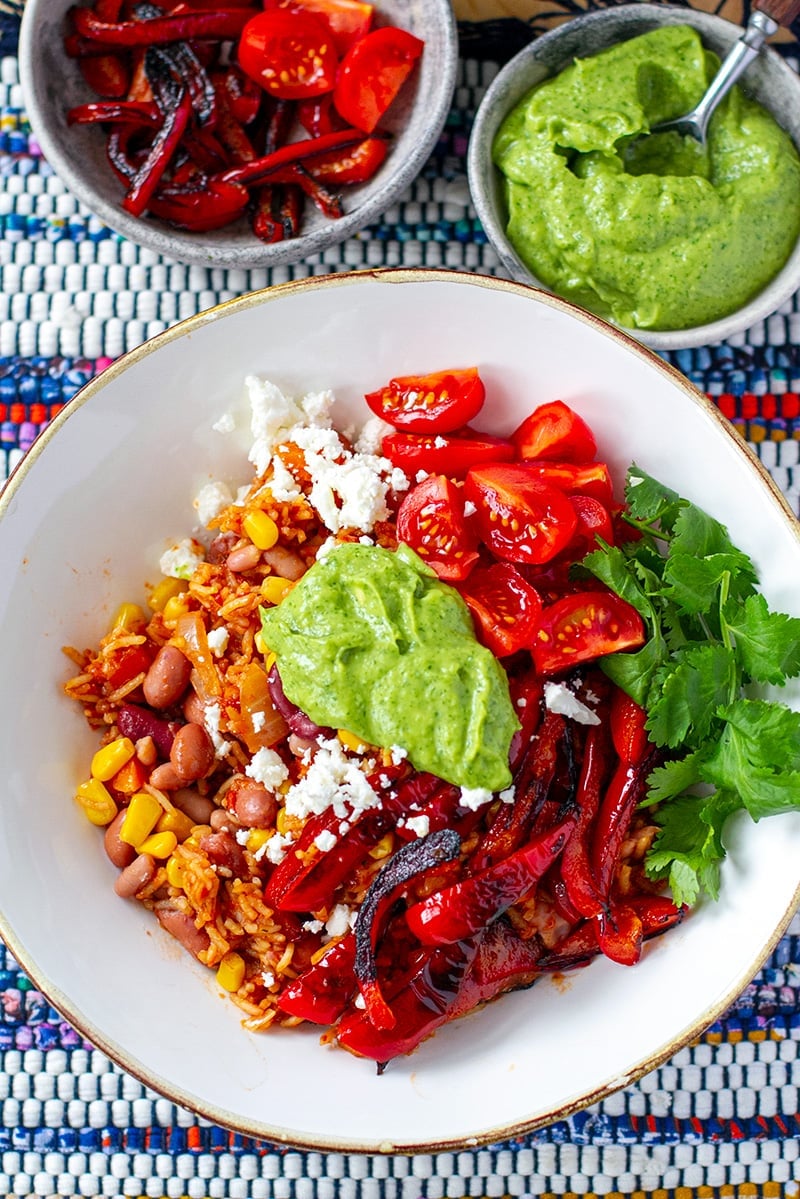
column 653, row 232
column 370, row 641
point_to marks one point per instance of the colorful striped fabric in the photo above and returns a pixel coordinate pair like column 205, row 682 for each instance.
column 720, row 1119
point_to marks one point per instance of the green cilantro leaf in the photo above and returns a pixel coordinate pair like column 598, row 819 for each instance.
column 767, row 643
column 704, row 678
column 688, row 848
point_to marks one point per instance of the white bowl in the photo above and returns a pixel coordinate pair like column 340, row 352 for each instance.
column 82, row 523
column 769, row 80
column 52, row 84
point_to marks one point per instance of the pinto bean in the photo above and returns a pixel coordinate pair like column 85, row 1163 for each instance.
column 253, row 805
column 199, row 808
column 222, row 849
column 194, row 709
column 166, row 777
column 192, row 753
column 183, row 929
column 167, row 678
column 245, row 558
column 138, row 874
column 220, row 547
column 285, row 563
column 119, row 852
column 301, row 745
column 221, row 820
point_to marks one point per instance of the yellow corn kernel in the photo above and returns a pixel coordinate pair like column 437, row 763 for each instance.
column 230, row 972
column 282, row 821
column 158, row 845
column 128, row 616
column 175, row 873
column 274, row 588
column 111, row 758
column 261, row 529
column 198, row 832
column 257, row 838
column 383, row 848
column 164, row 591
column 351, row 741
column 258, row 641
column 270, row 660
column 175, row 822
column 96, row 802
column 141, row 818
column 174, row 607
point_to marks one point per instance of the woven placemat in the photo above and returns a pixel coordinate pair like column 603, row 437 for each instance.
column 719, row 1119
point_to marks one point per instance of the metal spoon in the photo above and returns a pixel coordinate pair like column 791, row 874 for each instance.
column 766, row 18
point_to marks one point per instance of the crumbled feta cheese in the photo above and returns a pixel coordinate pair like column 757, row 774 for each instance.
column 474, row 797
column 274, row 850
column 439, row 442
column 268, row 978
column 211, row 499
column 365, row 540
column 420, row 476
column 509, row 795
column 313, row 926
column 242, row 835
column 469, row 508
column 421, row 825
column 267, row 768
column 218, row 641
column 212, row 714
column 344, row 828
column 325, row 840
column 384, row 781
column 327, row 548
column 338, row 923
column 333, row 780
column 359, row 1002
column 181, row 560
column 259, row 719
column 522, row 702
column 558, row 698
column 283, row 484
column 371, row 437
column 398, row 754
column 225, row 424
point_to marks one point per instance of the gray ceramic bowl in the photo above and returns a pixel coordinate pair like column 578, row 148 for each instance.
column 769, row 80
column 52, row 84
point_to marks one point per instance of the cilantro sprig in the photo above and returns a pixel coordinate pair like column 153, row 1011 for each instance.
column 711, row 636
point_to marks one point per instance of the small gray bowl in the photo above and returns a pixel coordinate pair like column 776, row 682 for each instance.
column 769, row 80
column 52, row 84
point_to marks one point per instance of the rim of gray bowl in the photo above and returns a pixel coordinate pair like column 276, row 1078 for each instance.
column 769, row 74
column 41, row 52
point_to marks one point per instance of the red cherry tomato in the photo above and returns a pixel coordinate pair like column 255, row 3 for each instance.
column 520, row 518
column 554, row 431
column 127, row 662
column 505, row 607
column 452, row 456
column 437, row 403
column 592, row 478
column 431, row 520
column 347, row 20
column 371, row 74
column 584, row 626
column 289, row 53
column 594, row 520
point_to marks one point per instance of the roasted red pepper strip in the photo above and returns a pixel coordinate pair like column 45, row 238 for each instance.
column 321, row 993
column 223, row 24
column 200, row 207
column 462, row 910
column 309, row 147
column 421, row 1000
column 628, row 730
column 355, row 165
column 115, row 112
column 620, row 933
column 164, row 146
column 503, row 962
column 408, row 863
column 294, row 176
column 624, row 793
column 575, row 866
column 657, row 913
column 107, row 74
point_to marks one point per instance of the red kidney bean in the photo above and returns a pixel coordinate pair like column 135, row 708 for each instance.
column 253, row 805
column 183, row 929
column 135, row 722
column 245, row 558
column 192, row 753
column 167, row 678
column 166, row 777
column 223, row 850
column 119, row 852
column 297, row 721
column 285, row 563
column 194, row 709
column 146, row 751
column 199, row 808
column 140, row 872
column 220, row 547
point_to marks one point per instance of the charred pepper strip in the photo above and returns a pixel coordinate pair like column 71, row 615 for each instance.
column 408, row 863
column 321, row 993
column 224, row 24
column 201, row 205
column 115, row 112
column 575, row 867
column 164, row 146
column 623, row 795
column 657, row 913
column 462, row 910
column 262, row 168
column 503, row 962
column 180, row 65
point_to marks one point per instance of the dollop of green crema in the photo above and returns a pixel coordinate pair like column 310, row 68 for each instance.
column 372, row 642
column 653, row 232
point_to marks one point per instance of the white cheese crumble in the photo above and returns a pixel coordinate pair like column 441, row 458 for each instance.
column 259, row 719
column 275, row 849
column 268, row 978
column 210, row 501
column 313, row 926
column 242, row 836
column 181, row 560
column 421, row 825
column 474, row 798
column 359, row 1001
column 225, row 424
column 267, row 768
column 332, row 780
column 371, row 437
column 338, row 923
column 212, row 714
column 325, row 840
column 509, row 795
column 398, row 754
column 558, row 698
column 218, row 641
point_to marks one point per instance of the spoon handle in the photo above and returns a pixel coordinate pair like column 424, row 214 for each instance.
column 759, row 28
column 782, row 11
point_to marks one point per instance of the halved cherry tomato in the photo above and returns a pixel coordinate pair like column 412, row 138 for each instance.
column 127, row 662
column 356, row 164
column 505, row 607
column 437, row 403
column 431, row 520
column 594, row 520
column 554, row 431
column 591, row 478
column 347, row 20
column 520, row 518
column 372, row 72
column 581, row 627
column 452, row 456
column 289, row 53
